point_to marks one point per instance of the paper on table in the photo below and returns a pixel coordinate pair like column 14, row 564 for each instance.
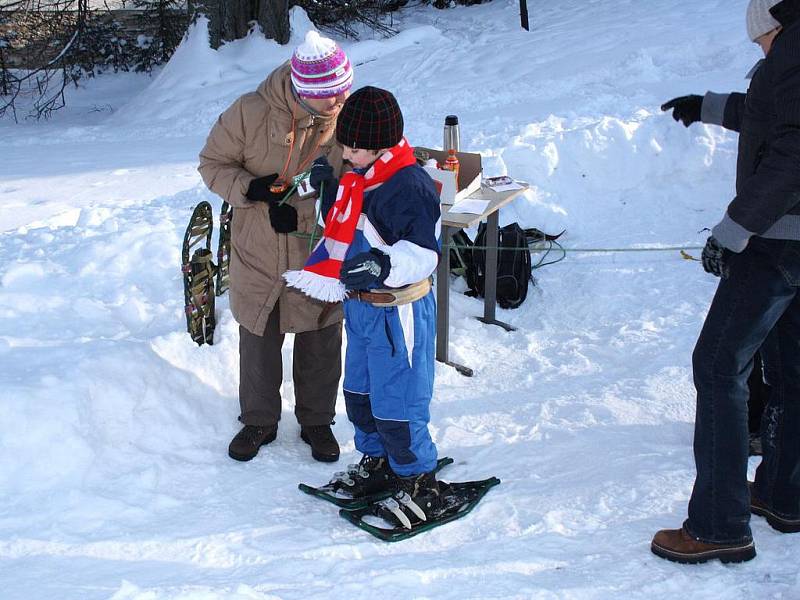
column 473, row 206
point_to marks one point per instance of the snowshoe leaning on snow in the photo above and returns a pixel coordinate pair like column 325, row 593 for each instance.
column 362, row 484
column 200, row 272
column 198, row 275
column 224, row 249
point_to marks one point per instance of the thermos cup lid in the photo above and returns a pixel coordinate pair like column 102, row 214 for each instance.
column 451, row 120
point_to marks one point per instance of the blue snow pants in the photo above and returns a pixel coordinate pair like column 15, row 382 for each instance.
column 388, row 381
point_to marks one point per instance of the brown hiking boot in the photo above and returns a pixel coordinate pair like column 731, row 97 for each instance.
column 678, row 546
column 324, row 446
column 244, row 446
column 777, row 521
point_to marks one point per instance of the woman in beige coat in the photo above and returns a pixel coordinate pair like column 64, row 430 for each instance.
column 258, row 144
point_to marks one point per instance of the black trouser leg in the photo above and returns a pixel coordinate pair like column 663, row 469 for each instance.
column 759, row 395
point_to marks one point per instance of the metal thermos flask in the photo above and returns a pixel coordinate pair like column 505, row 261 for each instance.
column 452, row 137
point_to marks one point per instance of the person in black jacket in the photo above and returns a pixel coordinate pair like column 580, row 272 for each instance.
column 728, row 110
column 755, row 250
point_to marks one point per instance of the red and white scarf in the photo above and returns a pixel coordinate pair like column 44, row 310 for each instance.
column 320, row 275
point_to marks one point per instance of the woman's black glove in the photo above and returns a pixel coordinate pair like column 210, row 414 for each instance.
column 686, row 109
column 258, row 191
column 283, row 217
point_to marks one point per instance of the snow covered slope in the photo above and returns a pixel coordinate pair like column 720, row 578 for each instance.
column 114, row 477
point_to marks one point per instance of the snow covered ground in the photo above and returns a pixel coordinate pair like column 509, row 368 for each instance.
column 114, row 477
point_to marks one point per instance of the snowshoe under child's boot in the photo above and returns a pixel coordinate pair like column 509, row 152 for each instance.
column 372, row 479
column 417, row 498
column 420, row 504
column 372, row 475
column 198, row 275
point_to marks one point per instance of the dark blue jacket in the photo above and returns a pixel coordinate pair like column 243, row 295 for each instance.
column 767, row 201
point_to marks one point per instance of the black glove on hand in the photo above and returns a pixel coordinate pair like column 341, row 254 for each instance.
column 283, row 217
column 365, row 270
column 258, row 191
column 321, row 176
column 685, row 108
column 713, row 258
column 321, row 172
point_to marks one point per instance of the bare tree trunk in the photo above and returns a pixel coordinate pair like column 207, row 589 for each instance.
column 273, row 16
column 212, row 10
column 236, row 16
column 4, row 83
column 232, row 19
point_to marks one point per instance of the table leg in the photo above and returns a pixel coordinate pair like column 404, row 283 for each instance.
column 443, row 304
column 490, row 285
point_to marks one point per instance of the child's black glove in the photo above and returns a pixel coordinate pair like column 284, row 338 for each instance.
column 365, row 270
column 321, row 172
column 713, row 258
column 321, row 177
column 258, row 190
column 686, row 109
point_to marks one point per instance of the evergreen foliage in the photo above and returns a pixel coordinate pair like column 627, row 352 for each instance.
column 167, row 22
column 46, row 45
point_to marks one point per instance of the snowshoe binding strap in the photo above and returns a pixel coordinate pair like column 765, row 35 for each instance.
column 198, row 275
column 392, row 507
column 347, row 478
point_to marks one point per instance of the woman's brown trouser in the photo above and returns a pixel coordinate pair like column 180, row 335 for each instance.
column 316, row 370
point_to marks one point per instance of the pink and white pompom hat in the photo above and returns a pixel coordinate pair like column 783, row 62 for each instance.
column 320, row 68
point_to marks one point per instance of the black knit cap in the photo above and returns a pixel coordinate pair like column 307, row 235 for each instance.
column 370, row 120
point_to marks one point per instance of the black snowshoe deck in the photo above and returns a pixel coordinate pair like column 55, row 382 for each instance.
column 327, row 492
column 459, row 500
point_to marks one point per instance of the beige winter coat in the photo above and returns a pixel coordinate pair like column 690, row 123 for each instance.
column 252, row 139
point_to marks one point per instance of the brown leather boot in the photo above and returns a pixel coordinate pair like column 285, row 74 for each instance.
column 778, row 522
column 324, row 446
column 245, row 445
column 678, row 546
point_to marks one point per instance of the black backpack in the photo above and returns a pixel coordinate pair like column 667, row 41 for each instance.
column 513, row 263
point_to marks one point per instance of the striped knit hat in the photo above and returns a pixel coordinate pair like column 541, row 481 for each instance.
column 370, row 119
column 320, row 69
